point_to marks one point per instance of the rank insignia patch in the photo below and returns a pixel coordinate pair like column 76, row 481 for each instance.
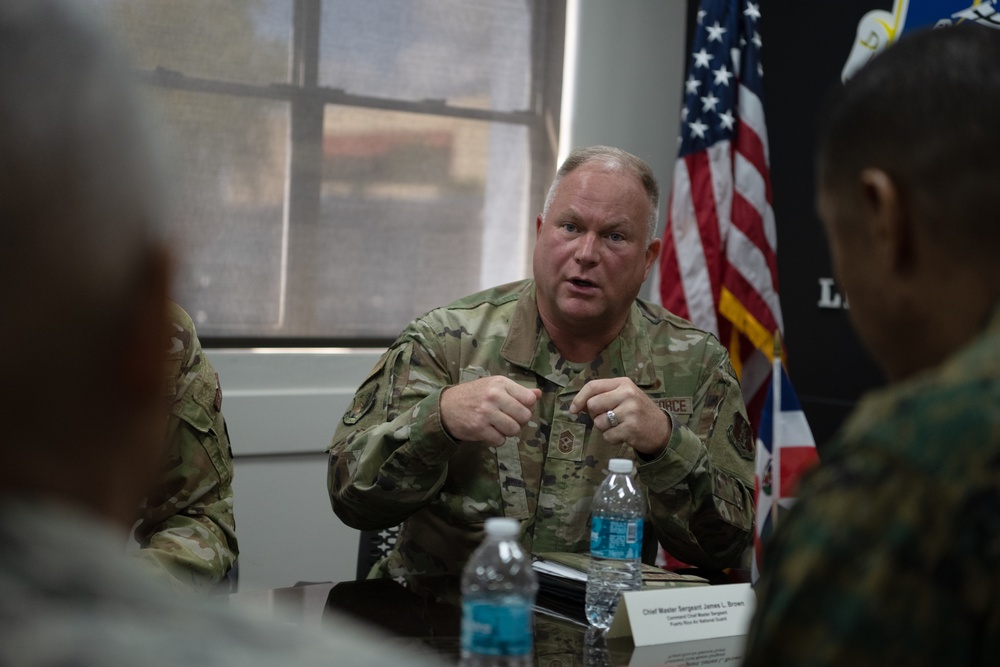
column 565, row 442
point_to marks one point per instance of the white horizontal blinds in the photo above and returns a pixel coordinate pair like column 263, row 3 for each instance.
column 342, row 166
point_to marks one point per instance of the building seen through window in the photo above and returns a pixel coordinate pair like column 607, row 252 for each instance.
column 340, row 166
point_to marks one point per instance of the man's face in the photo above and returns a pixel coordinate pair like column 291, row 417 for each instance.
column 591, row 253
column 859, row 274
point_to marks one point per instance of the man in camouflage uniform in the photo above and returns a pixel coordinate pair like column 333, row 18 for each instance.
column 187, row 529
column 892, row 554
column 510, row 402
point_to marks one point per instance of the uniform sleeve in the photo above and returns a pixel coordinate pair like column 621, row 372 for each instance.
column 389, row 455
column 187, row 530
column 871, row 568
column 701, row 487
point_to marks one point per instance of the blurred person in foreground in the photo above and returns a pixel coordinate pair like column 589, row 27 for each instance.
column 892, row 554
column 84, row 278
column 511, row 402
column 187, row 530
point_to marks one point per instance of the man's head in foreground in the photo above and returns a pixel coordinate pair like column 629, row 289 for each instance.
column 83, row 271
column 908, row 162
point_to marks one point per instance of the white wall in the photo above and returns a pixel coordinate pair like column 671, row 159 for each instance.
column 627, row 81
column 283, row 406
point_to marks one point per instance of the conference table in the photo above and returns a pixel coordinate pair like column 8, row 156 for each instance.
column 426, row 616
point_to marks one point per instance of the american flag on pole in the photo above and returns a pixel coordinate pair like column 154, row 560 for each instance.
column 785, row 450
column 718, row 264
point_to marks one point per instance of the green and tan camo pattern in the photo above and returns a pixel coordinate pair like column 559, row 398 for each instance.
column 892, row 554
column 187, row 530
column 392, row 462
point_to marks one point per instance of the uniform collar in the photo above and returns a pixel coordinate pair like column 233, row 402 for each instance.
column 529, row 346
column 975, row 360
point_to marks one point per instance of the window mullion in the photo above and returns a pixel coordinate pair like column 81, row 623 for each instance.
column 305, row 166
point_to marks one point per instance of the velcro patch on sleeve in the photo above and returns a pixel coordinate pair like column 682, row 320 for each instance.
column 741, row 436
column 363, row 402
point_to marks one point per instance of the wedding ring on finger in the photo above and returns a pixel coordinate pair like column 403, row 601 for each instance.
column 612, row 419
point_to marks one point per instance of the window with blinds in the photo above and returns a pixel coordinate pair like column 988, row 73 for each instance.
column 342, row 166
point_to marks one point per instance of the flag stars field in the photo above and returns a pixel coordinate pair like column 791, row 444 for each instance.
column 718, row 263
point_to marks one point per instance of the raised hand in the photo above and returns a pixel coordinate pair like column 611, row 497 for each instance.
column 488, row 409
column 638, row 422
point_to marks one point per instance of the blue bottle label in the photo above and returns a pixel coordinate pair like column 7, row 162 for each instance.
column 616, row 537
column 496, row 627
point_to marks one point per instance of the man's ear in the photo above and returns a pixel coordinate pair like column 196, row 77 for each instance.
column 652, row 253
column 889, row 221
column 147, row 331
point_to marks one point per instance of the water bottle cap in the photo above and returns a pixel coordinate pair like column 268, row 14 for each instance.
column 620, row 465
column 502, row 527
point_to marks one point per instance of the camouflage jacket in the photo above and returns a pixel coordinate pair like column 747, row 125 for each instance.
column 892, row 554
column 391, row 460
column 187, row 527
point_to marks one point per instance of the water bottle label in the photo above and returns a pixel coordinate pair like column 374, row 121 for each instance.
column 496, row 628
column 615, row 537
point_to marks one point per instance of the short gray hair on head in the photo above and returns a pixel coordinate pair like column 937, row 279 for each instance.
column 79, row 211
column 617, row 159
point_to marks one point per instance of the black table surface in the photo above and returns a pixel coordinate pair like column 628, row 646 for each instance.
column 426, row 616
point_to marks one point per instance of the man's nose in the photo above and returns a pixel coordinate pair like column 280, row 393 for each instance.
column 586, row 249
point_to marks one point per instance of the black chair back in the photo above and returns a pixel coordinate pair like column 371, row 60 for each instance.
column 373, row 546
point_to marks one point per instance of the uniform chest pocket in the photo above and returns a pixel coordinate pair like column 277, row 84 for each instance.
column 470, row 373
column 485, row 481
column 566, row 440
column 679, row 406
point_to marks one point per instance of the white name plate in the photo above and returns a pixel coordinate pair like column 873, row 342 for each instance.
column 669, row 615
column 701, row 653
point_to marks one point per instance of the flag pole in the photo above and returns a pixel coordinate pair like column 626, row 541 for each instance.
column 776, row 437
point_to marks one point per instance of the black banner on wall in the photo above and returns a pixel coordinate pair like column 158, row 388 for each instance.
column 805, row 47
column 803, row 58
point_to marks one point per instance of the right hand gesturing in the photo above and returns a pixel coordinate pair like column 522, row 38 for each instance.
column 487, row 410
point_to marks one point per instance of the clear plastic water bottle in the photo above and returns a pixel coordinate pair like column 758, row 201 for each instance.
column 595, row 649
column 498, row 598
column 615, row 542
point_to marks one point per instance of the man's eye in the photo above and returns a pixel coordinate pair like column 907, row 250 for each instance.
column 615, row 236
column 569, row 226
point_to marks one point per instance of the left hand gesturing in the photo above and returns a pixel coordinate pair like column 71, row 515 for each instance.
column 641, row 424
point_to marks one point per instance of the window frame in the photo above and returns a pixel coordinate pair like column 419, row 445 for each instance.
column 307, row 101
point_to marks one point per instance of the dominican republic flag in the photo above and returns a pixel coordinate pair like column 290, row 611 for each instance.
column 785, row 450
column 718, row 262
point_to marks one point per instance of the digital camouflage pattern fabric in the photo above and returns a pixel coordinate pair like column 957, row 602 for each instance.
column 892, row 554
column 391, row 461
column 187, row 528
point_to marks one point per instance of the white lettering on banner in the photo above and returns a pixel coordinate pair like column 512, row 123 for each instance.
column 829, row 297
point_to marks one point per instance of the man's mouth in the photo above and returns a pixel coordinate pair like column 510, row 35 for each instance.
column 580, row 282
